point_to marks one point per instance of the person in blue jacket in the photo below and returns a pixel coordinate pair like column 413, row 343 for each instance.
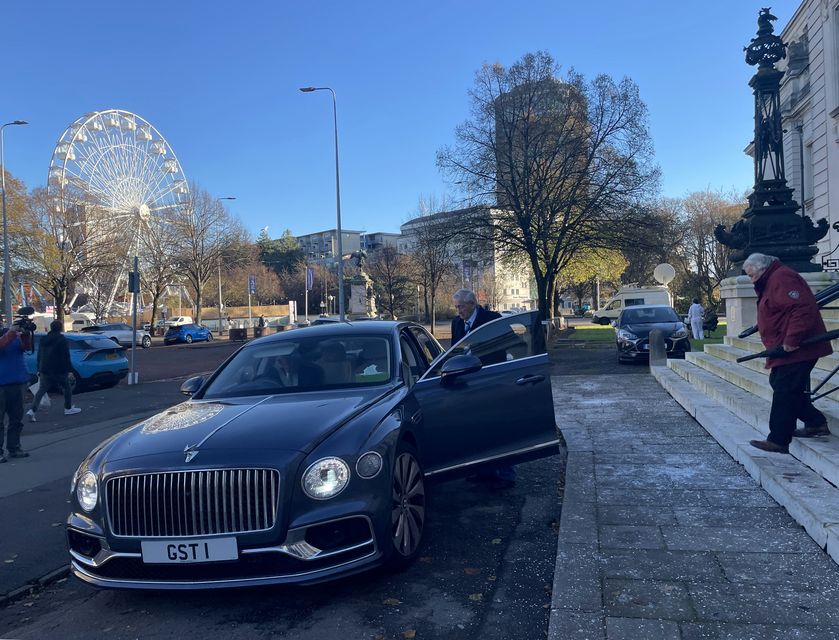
column 13, row 379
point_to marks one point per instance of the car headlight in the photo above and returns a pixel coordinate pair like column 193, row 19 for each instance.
column 87, row 491
column 623, row 334
column 681, row 333
column 326, row 478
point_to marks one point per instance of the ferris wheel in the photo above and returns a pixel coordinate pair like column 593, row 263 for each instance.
column 113, row 172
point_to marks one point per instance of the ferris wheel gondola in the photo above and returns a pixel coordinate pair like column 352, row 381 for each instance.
column 112, row 172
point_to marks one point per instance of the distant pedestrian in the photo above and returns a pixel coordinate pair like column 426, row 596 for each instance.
column 13, row 379
column 787, row 313
column 53, row 369
column 261, row 323
column 695, row 319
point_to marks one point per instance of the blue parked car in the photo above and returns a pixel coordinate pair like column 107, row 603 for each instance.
column 188, row 333
column 96, row 360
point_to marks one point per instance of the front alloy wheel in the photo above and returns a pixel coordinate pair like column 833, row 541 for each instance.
column 408, row 506
column 188, row 339
column 146, row 342
column 210, row 337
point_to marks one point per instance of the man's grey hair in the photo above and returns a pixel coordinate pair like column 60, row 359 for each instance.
column 759, row 261
column 465, row 295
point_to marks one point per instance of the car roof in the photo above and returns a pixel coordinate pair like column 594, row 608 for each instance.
column 331, row 329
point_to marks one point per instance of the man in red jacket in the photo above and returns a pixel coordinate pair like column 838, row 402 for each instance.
column 787, row 313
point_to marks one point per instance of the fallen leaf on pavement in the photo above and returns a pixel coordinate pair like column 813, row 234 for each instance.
column 410, row 633
column 476, row 597
column 469, row 571
column 496, row 541
column 392, row 601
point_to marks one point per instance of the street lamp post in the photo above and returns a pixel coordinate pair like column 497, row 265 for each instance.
column 7, row 279
column 337, row 199
column 220, row 321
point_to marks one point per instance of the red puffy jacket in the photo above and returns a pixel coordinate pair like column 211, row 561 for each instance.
column 787, row 313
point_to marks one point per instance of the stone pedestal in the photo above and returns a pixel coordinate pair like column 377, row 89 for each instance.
column 741, row 299
column 362, row 300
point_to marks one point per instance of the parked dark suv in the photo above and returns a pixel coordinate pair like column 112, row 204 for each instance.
column 633, row 326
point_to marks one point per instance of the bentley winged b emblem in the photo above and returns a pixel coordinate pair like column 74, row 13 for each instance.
column 190, row 452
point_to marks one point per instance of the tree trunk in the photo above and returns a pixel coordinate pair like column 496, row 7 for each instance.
column 433, row 313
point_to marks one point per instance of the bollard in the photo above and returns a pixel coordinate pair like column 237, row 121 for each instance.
column 658, row 352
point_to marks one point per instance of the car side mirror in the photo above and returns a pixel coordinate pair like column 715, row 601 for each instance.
column 458, row 366
column 191, row 385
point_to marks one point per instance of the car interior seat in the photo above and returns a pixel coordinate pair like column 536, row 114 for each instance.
column 335, row 364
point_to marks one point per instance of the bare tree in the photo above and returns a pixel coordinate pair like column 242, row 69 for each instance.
column 567, row 162
column 59, row 250
column 391, row 273
column 706, row 258
column 204, row 230
column 432, row 235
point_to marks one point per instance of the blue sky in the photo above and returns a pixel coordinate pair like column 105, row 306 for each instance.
column 219, row 80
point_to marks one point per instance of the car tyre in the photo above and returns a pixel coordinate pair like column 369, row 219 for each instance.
column 188, row 339
column 146, row 342
column 408, row 507
column 210, row 337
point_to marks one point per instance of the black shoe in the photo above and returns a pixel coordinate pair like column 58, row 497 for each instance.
column 811, row 432
column 18, row 453
column 768, row 445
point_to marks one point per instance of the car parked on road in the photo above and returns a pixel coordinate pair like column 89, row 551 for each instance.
column 633, row 327
column 96, row 360
column 120, row 333
column 188, row 333
column 305, row 456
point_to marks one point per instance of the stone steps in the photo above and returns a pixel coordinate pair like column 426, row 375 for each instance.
column 805, row 482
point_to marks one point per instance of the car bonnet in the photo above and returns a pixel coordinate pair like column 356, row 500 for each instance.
column 282, row 422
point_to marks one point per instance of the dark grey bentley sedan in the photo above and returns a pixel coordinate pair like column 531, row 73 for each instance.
column 305, row 456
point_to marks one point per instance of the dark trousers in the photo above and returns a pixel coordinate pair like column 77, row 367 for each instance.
column 11, row 405
column 49, row 381
column 791, row 401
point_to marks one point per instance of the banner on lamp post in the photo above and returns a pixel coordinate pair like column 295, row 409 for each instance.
column 310, row 278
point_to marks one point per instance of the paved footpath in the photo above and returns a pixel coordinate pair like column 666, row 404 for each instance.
column 663, row 535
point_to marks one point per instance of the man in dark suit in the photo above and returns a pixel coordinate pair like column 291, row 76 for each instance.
column 470, row 315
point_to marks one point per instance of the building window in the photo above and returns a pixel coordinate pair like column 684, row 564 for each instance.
column 807, row 181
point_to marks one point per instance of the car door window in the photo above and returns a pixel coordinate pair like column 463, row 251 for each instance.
column 503, row 340
column 429, row 347
column 413, row 364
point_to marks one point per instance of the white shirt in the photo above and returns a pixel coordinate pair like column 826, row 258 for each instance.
column 695, row 312
column 470, row 323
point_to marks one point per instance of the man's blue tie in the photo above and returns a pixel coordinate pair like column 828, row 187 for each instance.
column 467, row 325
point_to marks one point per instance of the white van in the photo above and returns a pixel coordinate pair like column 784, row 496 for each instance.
column 176, row 320
column 629, row 296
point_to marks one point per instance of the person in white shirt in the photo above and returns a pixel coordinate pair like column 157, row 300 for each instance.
column 695, row 313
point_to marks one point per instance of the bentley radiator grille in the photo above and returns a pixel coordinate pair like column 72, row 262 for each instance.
column 193, row 503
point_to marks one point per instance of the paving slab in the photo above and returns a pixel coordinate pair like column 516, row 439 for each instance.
column 666, row 535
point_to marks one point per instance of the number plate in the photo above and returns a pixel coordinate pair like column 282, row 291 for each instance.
column 187, row 551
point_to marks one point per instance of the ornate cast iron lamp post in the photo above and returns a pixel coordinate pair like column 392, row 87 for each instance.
column 769, row 224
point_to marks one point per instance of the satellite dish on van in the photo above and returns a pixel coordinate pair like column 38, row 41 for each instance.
column 664, row 273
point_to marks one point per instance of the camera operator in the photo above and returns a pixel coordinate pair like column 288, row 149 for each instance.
column 14, row 342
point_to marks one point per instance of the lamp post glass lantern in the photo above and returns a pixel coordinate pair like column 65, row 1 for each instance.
column 7, row 277
column 337, row 199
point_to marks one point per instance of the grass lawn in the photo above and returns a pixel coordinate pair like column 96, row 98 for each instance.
column 596, row 333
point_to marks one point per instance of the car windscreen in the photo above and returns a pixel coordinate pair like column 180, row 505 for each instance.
column 648, row 316
column 305, row 364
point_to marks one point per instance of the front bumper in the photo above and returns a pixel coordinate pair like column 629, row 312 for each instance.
column 317, row 552
column 640, row 349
